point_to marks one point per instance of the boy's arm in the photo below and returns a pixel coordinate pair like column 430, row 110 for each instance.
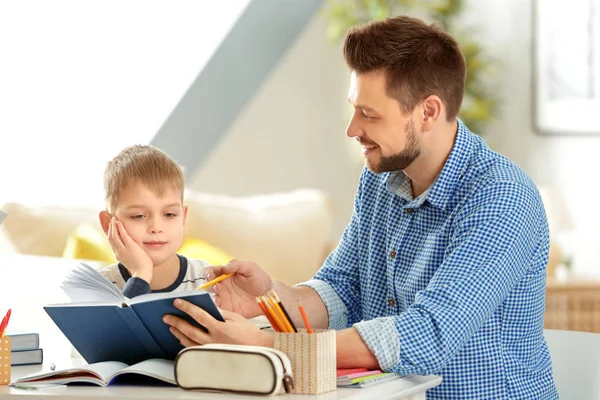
column 128, row 252
column 135, row 287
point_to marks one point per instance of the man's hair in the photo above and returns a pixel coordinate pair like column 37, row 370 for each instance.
column 144, row 164
column 419, row 60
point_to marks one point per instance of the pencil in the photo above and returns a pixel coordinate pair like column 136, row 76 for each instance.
column 5, row 323
column 305, row 318
column 213, row 282
column 286, row 325
column 266, row 312
column 284, row 311
column 273, row 313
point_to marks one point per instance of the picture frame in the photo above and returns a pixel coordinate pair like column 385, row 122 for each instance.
column 566, row 67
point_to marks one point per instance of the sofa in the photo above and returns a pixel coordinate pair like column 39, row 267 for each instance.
column 288, row 234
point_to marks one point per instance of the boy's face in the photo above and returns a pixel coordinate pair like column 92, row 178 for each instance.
column 154, row 222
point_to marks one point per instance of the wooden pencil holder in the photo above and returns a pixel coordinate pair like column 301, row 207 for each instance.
column 4, row 361
column 313, row 358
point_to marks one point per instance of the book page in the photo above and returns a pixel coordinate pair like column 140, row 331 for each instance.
column 166, row 295
column 97, row 373
column 85, row 284
column 157, row 368
column 106, row 369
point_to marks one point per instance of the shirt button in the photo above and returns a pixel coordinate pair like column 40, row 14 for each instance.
column 410, row 210
column 393, row 254
column 391, row 302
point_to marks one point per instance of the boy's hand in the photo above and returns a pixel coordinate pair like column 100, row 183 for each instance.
column 235, row 330
column 128, row 252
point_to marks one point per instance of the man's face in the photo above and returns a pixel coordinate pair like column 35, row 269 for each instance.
column 155, row 222
column 387, row 135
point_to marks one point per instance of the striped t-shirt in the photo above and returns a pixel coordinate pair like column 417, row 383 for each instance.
column 191, row 274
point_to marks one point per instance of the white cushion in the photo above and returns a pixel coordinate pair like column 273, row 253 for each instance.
column 287, row 234
column 43, row 230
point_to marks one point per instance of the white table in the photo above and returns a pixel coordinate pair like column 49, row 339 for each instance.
column 29, row 315
column 410, row 388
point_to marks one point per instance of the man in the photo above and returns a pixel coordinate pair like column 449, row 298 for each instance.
column 442, row 267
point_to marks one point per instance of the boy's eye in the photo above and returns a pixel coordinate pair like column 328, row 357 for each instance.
column 138, row 216
column 171, row 215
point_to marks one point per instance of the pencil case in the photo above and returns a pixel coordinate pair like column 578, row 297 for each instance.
column 234, row 369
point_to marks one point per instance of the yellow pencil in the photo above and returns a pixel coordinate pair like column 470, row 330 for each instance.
column 274, row 315
column 214, row 281
column 285, row 313
column 282, row 316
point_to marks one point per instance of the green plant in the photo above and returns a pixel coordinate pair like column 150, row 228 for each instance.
column 479, row 105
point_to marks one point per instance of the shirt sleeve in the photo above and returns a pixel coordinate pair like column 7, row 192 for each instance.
column 135, row 287
column 495, row 238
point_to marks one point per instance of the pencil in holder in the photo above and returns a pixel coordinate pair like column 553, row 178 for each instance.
column 313, row 359
column 4, row 361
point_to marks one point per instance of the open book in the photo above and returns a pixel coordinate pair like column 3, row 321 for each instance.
column 103, row 325
column 103, row 374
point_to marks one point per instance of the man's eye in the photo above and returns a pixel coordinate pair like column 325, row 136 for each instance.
column 171, row 215
column 367, row 117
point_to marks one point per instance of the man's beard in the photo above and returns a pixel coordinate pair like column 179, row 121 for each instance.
column 402, row 160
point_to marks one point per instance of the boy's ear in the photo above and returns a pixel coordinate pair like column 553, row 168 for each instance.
column 105, row 218
column 185, row 209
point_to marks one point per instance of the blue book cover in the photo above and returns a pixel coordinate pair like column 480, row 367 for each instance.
column 129, row 331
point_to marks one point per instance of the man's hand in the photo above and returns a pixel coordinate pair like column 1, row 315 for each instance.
column 235, row 329
column 238, row 293
column 128, row 252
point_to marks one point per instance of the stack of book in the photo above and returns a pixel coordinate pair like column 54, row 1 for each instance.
column 362, row 377
column 25, row 349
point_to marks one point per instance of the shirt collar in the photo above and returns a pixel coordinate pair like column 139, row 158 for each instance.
column 454, row 168
column 446, row 182
column 183, row 266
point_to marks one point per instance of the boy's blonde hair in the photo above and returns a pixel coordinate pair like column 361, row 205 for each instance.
column 144, row 164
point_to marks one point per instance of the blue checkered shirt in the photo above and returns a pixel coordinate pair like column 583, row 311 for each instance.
column 451, row 282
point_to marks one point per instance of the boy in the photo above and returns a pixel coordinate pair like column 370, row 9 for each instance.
column 144, row 221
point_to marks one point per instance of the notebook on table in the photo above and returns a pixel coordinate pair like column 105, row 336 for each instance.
column 23, row 340
column 25, row 348
column 104, row 374
column 26, row 357
column 361, row 377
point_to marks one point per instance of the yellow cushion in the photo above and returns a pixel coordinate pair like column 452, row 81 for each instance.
column 196, row 248
column 88, row 242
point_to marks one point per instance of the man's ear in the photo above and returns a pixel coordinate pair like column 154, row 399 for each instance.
column 105, row 218
column 432, row 108
column 185, row 209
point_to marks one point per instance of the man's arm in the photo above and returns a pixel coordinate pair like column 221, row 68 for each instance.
column 351, row 349
column 496, row 237
column 310, row 300
column 352, row 352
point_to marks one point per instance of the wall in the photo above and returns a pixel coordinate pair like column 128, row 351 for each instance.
column 566, row 164
column 292, row 133
column 229, row 79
